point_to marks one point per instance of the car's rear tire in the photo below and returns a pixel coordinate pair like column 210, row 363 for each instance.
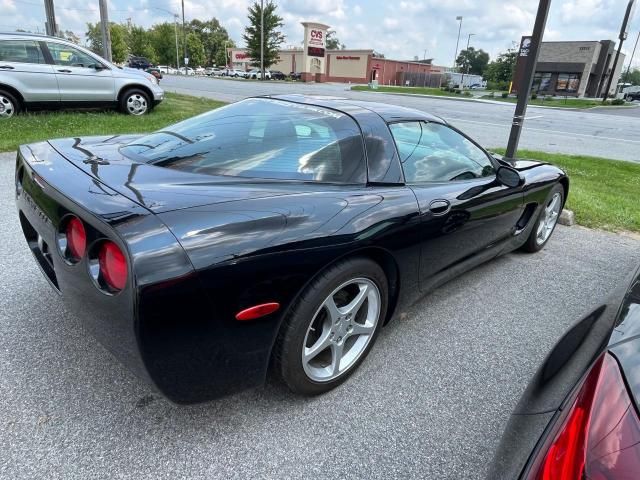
column 546, row 221
column 135, row 102
column 332, row 326
column 9, row 105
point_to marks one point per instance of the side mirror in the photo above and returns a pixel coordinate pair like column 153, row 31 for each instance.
column 509, row 177
column 99, row 66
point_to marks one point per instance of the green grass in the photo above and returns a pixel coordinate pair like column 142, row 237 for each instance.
column 414, row 90
column 37, row 126
column 603, row 193
column 552, row 102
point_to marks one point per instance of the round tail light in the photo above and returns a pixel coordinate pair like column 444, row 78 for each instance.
column 76, row 238
column 113, row 265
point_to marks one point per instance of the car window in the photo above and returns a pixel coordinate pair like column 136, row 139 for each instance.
column 260, row 138
column 67, row 56
column 20, row 51
column 431, row 152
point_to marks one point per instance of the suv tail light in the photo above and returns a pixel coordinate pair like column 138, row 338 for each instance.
column 76, row 237
column 113, row 266
column 597, row 435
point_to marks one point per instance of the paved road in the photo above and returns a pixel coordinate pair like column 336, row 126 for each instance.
column 430, row 401
column 551, row 130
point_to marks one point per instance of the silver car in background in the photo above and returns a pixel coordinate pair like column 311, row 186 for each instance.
column 38, row 71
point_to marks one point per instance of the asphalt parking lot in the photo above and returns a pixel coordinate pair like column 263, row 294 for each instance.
column 604, row 132
column 430, row 401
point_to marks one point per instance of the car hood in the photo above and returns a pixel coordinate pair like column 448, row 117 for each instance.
column 161, row 189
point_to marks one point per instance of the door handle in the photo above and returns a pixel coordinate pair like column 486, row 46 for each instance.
column 439, row 207
column 7, row 67
column 64, row 70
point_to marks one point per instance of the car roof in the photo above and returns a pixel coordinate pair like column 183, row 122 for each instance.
column 389, row 113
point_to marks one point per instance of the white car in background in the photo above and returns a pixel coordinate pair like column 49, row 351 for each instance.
column 234, row 72
column 256, row 73
column 167, row 69
column 200, row 71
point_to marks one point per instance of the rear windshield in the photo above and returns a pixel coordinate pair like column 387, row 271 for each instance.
column 260, row 138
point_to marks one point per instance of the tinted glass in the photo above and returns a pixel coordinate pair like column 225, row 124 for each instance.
column 20, row 51
column 69, row 56
column 260, row 138
column 431, row 152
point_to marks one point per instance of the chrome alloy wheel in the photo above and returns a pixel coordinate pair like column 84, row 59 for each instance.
column 549, row 219
column 341, row 329
column 7, row 108
column 137, row 104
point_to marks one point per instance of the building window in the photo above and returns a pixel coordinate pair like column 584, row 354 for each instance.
column 568, row 82
column 541, row 82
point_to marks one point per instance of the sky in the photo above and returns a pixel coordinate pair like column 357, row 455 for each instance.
column 401, row 29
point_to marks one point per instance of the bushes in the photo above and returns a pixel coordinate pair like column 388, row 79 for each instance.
column 534, row 96
column 505, row 94
column 497, row 85
column 617, row 101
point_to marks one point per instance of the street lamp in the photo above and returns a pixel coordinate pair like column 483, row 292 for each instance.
column 184, row 40
column 467, row 50
column 455, row 58
column 262, row 40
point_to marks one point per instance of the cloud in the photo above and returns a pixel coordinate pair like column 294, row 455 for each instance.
column 401, row 29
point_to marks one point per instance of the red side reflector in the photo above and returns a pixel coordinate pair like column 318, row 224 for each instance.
column 113, row 265
column 257, row 311
column 76, row 238
column 599, row 436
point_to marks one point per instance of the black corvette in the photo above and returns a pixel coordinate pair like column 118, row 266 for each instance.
column 277, row 232
column 578, row 418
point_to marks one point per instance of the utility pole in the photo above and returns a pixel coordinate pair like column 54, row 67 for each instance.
column 261, row 39
column 467, row 50
column 106, row 34
column 184, row 41
column 623, row 36
column 527, row 80
column 175, row 24
column 455, row 58
column 50, row 24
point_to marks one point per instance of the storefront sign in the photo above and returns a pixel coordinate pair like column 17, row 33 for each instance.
column 241, row 56
column 315, row 51
column 316, row 38
column 347, row 57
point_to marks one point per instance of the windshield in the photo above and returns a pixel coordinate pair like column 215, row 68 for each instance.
column 260, row 138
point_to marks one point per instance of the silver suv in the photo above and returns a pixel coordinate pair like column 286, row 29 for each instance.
column 37, row 71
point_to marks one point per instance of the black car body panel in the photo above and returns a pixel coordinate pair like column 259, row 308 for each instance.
column 202, row 248
column 612, row 326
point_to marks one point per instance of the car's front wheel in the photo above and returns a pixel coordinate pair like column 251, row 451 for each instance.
column 135, row 102
column 9, row 105
column 332, row 326
column 546, row 221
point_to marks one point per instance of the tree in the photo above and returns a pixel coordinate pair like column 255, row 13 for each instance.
column 195, row 50
column 633, row 77
column 215, row 39
column 71, row 36
column 163, row 40
column 333, row 42
column 273, row 37
column 119, row 48
column 502, row 69
column 473, row 61
column 139, row 41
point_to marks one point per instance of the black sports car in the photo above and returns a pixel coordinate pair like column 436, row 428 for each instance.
column 277, row 231
column 578, row 418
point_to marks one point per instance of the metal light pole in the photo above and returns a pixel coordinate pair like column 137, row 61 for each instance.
column 175, row 24
column 623, row 36
column 527, row 80
column 184, row 40
column 50, row 24
column 455, row 58
column 262, row 40
column 633, row 54
column 462, row 81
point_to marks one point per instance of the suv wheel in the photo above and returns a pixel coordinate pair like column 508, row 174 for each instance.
column 9, row 105
column 135, row 102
